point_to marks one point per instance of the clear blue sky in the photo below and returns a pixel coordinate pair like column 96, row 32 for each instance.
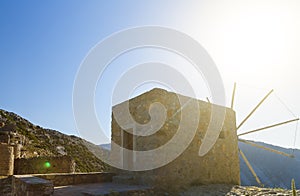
column 42, row 44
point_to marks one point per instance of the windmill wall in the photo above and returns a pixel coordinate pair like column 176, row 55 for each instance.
column 219, row 166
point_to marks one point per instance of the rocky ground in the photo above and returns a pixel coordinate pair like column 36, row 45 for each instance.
column 228, row 190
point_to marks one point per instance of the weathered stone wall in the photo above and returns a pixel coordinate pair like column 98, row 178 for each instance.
column 39, row 165
column 6, row 160
column 219, row 166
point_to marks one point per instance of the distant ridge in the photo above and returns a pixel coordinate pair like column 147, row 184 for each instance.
column 274, row 170
column 106, row 146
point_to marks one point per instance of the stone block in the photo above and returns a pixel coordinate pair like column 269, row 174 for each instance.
column 31, row 186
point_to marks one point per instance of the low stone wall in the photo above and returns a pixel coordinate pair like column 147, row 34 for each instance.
column 6, row 160
column 77, row 178
column 43, row 165
column 31, row 186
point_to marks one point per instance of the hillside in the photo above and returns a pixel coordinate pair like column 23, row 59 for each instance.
column 45, row 142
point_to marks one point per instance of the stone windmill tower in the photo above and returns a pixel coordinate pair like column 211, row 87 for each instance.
column 219, row 166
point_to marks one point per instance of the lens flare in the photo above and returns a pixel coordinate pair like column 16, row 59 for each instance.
column 47, row 164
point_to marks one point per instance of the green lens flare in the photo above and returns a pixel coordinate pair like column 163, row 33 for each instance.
column 47, row 164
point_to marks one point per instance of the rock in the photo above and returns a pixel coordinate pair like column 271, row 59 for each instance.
column 231, row 190
column 61, row 150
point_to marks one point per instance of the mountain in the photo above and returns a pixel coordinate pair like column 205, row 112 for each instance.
column 105, row 146
column 38, row 141
column 273, row 170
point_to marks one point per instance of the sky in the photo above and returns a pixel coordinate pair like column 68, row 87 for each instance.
column 254, row 43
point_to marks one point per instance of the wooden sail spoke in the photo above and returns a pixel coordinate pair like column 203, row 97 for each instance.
column 207, row 99
column 268, row 127
column 233, row 94
column 250, row 167
column 266, row 148
column 257, row 106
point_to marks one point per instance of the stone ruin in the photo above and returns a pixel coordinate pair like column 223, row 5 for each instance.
column 219, row 166
column 10, row 148
column 13, row 161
